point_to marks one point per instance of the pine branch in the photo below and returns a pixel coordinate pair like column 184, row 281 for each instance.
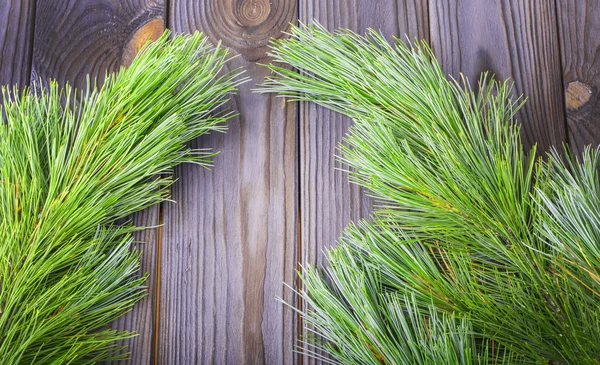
column 467, row 226
column 68, row 173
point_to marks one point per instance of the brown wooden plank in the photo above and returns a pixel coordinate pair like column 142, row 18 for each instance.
column 510, row 38
column 579, row 26
column 74, row 38
column 16, row 41
column 328, row 201
column 229, row 241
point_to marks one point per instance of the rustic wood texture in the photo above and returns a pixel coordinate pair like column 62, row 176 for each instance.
column 229, row 241
column 142, row 319
column 16, row 41
column 277, row 195
column 75, row 38
column 579, row 25
column 511, row 39
column 328, row 201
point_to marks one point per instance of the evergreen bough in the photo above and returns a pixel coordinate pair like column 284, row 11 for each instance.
column 72, row 163
column 477, row 252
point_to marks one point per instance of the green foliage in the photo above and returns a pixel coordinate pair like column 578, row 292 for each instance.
column 68, row 173
column 477, row 252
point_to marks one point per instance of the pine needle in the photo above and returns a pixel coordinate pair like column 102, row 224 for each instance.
column 67, row 174
column 495, row 250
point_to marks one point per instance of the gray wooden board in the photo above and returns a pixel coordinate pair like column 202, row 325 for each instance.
column 142, row 318
column 229, row 242
column 511, row 39
column 16, row 41
column 579, row 30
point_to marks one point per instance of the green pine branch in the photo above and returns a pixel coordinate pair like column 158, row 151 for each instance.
column 68, row 173
column 477, row 252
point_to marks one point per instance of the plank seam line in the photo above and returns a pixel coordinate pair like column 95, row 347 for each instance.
column 159, row 238
column 428, row 26
column 31, row 42
column 562, row 72
column 299, row 251
column 299, row 322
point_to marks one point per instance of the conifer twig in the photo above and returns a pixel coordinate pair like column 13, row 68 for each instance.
column 68, row 173
column 497, row 248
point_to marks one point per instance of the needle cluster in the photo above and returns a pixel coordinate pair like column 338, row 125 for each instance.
column 72, row 163
column 477, row 251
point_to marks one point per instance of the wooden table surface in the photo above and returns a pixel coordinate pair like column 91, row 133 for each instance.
column 276, row 196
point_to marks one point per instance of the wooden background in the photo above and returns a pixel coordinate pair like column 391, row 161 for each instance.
column 274, row 197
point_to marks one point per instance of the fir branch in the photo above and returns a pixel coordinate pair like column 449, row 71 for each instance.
column 68, row 173
column 467, row 226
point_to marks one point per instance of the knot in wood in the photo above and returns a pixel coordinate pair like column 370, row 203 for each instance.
column 149, row 31
column 253, row 12
column 248, row 25
column 577, row 95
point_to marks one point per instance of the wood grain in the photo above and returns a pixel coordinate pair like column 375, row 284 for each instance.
column 141, row 319
column 512, row 39
column 229, row 241
column 74, row 38
column 328, row 201
column 579, row 26
column 16, row 41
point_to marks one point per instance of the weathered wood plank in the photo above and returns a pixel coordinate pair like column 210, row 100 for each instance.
column 142, row 318
column 16, row 41
column 510, row 38
column 328, row 201
column 579, row 25
column 74, row 38
column 229, row 241
column 77, row 38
